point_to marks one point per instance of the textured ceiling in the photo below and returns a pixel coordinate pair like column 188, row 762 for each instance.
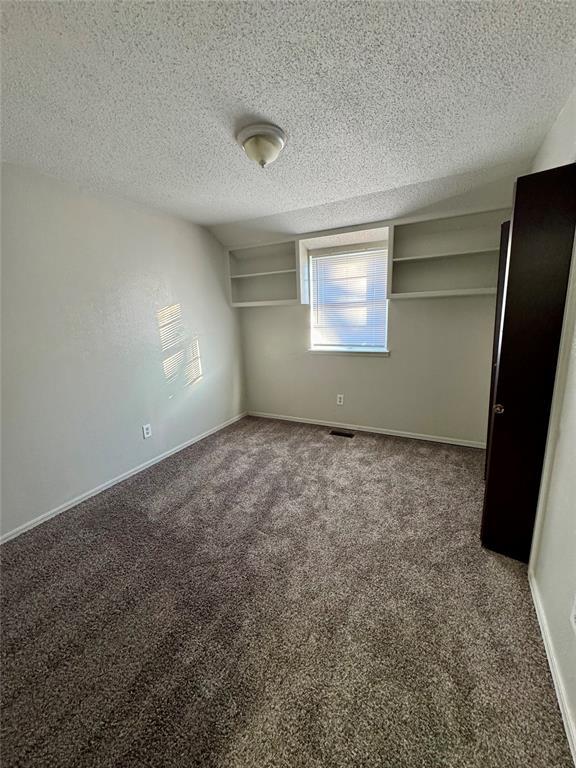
column 487, row 189
column 142, row 100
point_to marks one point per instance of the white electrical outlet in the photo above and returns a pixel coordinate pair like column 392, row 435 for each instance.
column 339, row 399
column 146, row 431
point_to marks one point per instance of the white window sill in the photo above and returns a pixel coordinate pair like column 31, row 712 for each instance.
column 350, row 351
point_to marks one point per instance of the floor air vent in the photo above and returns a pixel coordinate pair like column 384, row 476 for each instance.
column 342, row 432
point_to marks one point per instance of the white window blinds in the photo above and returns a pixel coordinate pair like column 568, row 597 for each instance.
column 349, row 305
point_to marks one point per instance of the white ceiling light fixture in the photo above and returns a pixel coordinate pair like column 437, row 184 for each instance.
column 262, row 142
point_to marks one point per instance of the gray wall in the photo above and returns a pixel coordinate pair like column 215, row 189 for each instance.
column 435, row 382
column 83, row 278
column 553, row 561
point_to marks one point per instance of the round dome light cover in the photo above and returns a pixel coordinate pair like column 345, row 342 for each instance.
column 262, row 142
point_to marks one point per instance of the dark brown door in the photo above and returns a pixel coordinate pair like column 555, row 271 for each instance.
column 502, row 264
column 541, row 242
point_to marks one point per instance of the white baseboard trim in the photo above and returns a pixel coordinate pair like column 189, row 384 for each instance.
column 377, row 430
column 569, row 723
column 124, row 476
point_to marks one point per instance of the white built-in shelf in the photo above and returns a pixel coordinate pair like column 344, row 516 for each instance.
column 455, row 256
column 444, row 294
column 277, row 303
column 440, row 258
column 263, row 274
column 400, row 259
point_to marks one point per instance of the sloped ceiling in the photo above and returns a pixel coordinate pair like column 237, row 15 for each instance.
column 379, row 99
column 487, row 189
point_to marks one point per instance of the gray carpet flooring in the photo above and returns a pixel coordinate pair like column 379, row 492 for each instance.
column 276, row 597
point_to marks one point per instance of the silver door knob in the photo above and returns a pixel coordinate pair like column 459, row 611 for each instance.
column 498, row 408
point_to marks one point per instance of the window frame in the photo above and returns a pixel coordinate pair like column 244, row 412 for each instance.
column 353, row 249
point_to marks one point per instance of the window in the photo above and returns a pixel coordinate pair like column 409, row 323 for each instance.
column 349, row 304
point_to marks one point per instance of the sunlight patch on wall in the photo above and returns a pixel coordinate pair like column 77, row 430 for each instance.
column 172, row 365
column 193, row 368
column 171, row 326
column 184, row 364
